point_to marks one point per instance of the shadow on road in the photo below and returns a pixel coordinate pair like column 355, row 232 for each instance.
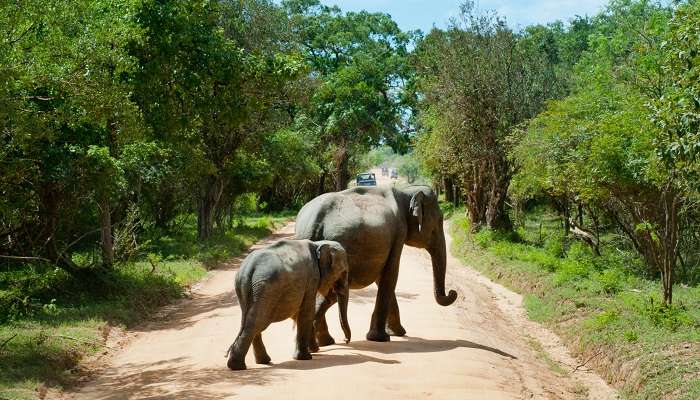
column 325, row 360
column 369, row 295
column 188, row 312
column 411, row 344
column 174, row 379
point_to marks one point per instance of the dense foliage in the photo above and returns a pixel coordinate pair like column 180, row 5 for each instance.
column 138, row 136
column 480, row 80
column 358, row 61
column 119, row 118
column 597, row 118
column 144, row 141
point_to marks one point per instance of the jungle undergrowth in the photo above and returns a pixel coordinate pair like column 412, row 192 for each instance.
column 49, row 320
column 605, row 308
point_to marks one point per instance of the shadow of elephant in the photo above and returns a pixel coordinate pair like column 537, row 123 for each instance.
column 412, row 344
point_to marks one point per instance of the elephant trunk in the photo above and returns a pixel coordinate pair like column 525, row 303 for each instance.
column 343, row 292
column 438, row 255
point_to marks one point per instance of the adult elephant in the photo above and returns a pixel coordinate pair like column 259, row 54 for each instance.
column 373, row 224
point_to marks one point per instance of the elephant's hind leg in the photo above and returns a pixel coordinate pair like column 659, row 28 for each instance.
column 261, row 356
column 254, row 323
column 236, row 358
column 322, row 337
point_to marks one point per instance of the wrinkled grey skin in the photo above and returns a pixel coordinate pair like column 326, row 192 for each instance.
column 281, row 281
column 373, row 224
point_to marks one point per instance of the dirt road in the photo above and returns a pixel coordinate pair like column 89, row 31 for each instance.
column 482, row 347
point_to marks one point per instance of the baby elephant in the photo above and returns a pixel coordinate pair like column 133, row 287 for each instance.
column 281, row 281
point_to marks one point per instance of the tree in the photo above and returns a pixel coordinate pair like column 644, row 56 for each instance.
column 66, row 91
column 222, row 76
column 677, row 115
column 478, row 81
column 600, row 146
column 357, row 60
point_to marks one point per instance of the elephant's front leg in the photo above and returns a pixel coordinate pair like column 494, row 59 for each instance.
column 322, row 337
column 305, row 323
column 393, row 323
column 385, row 292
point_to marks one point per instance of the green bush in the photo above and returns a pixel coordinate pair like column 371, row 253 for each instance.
column 631, row 336
column 610, row 281
column 603, row 320
column 555, row 244
column 484, row 238
column 669, row 316
column 571, row 270
column 597, row 303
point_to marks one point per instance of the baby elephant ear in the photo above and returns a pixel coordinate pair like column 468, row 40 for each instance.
column 324, row 256
column 416, row 208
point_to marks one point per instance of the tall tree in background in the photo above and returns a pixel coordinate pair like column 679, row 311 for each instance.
column 677, row 115
column 67, row 111
column 479, row 80
column 358, row 62
column 221, row 79
column 605, row 148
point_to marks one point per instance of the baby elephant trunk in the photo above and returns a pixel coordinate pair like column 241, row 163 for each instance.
column 342, row 289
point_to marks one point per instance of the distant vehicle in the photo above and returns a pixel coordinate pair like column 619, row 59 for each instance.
column 366, row 179
column 385, row 170
column 394, row 173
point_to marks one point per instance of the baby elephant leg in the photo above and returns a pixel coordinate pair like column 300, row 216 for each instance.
column 261, row 356
column 322, row 337
column 239, row 348
column 305, row 325
column 253, row 323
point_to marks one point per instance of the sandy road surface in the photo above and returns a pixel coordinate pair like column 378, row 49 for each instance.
column 478, row 348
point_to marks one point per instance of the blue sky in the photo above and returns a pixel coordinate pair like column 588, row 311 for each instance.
column 422, row 14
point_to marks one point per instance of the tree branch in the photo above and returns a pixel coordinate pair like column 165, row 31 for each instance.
column 24, row 258
column 8, row 341
column 585, row 235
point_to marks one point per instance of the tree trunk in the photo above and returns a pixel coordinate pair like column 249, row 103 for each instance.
column 669, row 241
column 496, row 215
column 210, row 194
column 165, row 209
column 475, row 196
column 658, row 240
column 106, row 240
column 342, row 174
column 486, row 192
column 586, row 235
column 48, row 211
column 449, row 191
column 567, row 218
column 456, row 194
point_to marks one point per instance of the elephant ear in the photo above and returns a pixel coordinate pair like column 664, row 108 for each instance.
column 326, row 257
column 324, row 254
column 416, row 207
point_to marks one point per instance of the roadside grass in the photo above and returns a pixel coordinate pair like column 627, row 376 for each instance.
column 50, row 320
column 607, row 309
column 542, row 354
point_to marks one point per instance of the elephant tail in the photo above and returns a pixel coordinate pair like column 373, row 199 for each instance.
column 229, row 350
